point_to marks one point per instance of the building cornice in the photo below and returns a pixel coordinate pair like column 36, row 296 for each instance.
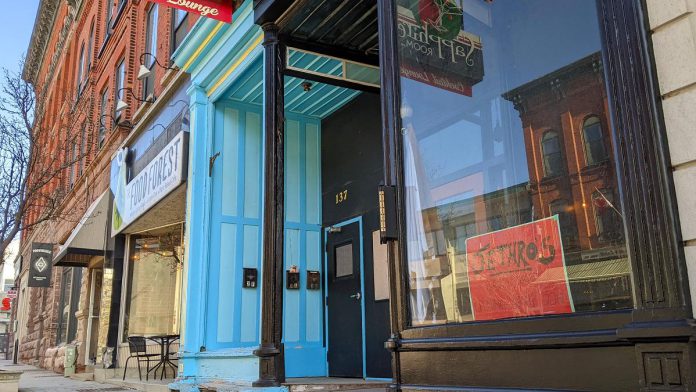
column 43, row 26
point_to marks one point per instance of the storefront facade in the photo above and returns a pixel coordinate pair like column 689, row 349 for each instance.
column 485, row 193
column 148, row 189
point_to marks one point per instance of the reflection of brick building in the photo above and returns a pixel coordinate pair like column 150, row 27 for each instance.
column 568, row 146
column 572, row 173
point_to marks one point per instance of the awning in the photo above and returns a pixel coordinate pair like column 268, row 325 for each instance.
column 88, row 238
column 588, row 272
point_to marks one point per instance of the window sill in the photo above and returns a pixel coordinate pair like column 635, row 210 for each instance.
column 142, row 109
column 550, row 179
column 595, row 166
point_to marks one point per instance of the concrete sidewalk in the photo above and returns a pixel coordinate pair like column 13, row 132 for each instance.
column 38, row 380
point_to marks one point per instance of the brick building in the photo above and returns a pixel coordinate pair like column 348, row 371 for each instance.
column 86, row 54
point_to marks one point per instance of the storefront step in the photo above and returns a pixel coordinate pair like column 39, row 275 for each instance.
column 145, row 386
column 334, row 384
column 83, row 376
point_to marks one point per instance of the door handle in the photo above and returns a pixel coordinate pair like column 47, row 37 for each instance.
column 357, row 296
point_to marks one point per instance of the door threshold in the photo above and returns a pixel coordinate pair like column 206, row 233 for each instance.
column 311, row 384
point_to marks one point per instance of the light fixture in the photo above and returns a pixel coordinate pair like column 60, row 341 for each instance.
column 114, row 122
column 121, row 104
column 306, row 86
column 143, row 71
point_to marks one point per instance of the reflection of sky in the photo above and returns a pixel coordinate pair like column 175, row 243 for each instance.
column 522, row 41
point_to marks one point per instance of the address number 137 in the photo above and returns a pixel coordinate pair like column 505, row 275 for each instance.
column 341, row 196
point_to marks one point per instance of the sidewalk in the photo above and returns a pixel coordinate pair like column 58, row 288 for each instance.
column 39, row 380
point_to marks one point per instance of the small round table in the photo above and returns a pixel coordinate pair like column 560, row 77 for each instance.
column 164, row 342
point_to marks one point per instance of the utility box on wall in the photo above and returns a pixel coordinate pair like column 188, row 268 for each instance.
column 70, row 360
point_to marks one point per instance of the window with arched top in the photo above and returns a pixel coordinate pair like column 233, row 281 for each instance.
column 593, row 137
column 551, row 150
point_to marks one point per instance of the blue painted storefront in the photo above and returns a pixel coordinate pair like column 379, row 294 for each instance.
column 221, row 318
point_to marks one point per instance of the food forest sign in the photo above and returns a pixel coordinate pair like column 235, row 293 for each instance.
column 519, row 271
column 215, row 9
column 160, row 177
column 40, row 266
column 435, row 50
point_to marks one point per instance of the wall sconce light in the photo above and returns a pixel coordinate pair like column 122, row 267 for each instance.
column 143, row 71
column 114, row 122
column 121, row 104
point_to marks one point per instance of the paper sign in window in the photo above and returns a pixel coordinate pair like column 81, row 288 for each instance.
column 380, row 267
column 518, row 272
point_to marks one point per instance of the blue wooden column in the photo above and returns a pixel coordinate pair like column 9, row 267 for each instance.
column 197, row 229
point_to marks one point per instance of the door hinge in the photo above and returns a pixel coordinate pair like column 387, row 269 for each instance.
column 387, row 213
column 211, row 162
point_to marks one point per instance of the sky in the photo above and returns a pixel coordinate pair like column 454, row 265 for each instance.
column 16, row 24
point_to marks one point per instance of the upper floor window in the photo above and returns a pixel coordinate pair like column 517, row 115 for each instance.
column 595, row 151
column 72, row 160
column 151, row 48
column 120, row 80
column 179, row 30
column 83, row 146
column 90, row 47
column 109, row 14
column 81, row 71
column 551, row 149
column 103, row 114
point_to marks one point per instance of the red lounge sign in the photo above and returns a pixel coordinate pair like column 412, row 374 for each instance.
column 216, row 9
column 515, row 272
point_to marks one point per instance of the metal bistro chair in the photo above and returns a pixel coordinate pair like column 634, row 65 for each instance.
column 138, row 350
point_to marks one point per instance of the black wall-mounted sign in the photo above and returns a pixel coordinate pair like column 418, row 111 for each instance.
column 250, row 278
column 313, row 280
column 293, row 280
column 40, row 267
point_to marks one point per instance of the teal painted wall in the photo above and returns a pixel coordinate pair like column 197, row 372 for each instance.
column 235, row 240
column 305, row 354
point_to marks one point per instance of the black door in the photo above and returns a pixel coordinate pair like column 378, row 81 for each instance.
column 344, row 301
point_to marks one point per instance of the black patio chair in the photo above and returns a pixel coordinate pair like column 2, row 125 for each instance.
column 138, row 350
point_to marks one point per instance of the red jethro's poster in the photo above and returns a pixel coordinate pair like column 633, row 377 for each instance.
column 519, row 271
column 216, row 9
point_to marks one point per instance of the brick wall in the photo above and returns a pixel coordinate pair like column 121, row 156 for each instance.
column 57, row 86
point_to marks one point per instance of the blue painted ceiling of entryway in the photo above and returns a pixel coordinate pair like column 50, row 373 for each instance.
column 319, row 102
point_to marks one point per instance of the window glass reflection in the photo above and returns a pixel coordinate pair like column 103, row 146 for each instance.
column 511, row 194
column 154, row 283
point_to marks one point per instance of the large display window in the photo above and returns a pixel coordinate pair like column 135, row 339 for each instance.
column 511, row 196
column 153, row 296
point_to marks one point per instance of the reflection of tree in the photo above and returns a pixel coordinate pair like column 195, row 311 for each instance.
column 167, row 246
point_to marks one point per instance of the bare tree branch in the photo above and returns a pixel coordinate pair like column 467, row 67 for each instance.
column 43, row 144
